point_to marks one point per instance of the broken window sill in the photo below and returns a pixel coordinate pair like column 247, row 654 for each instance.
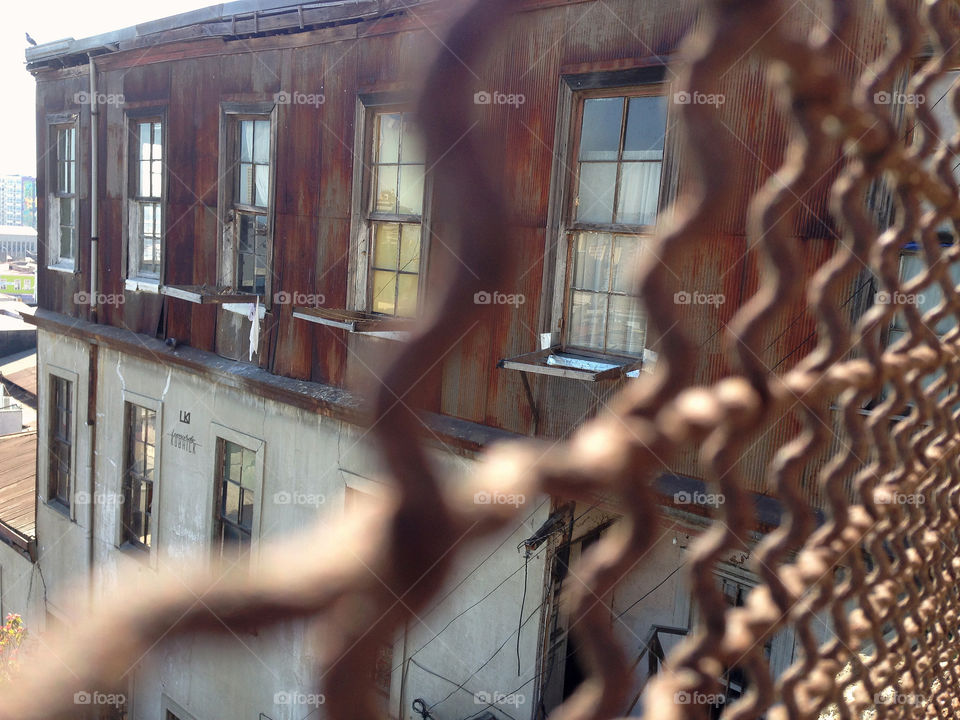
column 359, row 323
column 207, row 294
column 144, row 285
column 580, row 366
column 63, row 267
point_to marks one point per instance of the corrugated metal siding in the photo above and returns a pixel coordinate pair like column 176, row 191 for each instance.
column 315, row 156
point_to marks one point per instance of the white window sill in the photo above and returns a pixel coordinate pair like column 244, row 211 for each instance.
column 142, row 285
column 244, row 309
column 396, row 336
column 63, row 268
column 553, row 361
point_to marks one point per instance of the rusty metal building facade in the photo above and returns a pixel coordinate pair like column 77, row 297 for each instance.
column 211, row 313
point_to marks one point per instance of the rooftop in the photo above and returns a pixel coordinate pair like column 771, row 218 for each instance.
column 227, row 20
column 18, row 491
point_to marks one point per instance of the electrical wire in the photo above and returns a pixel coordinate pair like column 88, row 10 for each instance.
column 523, row 600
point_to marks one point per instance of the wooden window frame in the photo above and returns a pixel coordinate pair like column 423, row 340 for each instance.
column 131, row 401
column 136, row 278
column 230, row 209
column 223, row 436
column 63, row 504
column 55, row 125
column 570, row 227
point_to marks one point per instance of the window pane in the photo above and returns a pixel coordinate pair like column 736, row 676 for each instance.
column 639, row 193
column 386, row 245
column 249, row 470
column 588, row 313
column 626, row 258
column 261, row 141
column 246, row 184
column 412, row 148
column 411, row 190
column 626, row 326
column 591, row 261
column 156, row 176
column 384, row 292
column 410, row 248
column 646, row 126
column 386, row 198
column 388, row 148
column 246, row 140
column 143, row 189
column 157, row 141
column 600, row 136
column 407, row 295
column 263, row 185
column 595, row 195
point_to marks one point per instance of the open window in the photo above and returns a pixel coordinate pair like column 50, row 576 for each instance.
column 389, row 249
column 610, row 189
column 246, row 209
column 145, row 207
column 62, row 225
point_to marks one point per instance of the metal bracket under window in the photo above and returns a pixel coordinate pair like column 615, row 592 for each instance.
column 560, row 363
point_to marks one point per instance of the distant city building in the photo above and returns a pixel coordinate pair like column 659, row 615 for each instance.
column 17, row 243
column 18, row 200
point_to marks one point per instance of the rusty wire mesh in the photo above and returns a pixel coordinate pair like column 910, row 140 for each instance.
column 884, row 573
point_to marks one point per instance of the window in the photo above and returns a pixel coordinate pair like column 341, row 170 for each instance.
column 139, row 475
column 615, row 196
column 237, row 481
column 61, row 440
column 395, row 214
column 249, row 213
column 146, row 199
column 64, row 248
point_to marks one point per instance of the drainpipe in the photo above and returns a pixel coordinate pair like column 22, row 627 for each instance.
column 94, row 199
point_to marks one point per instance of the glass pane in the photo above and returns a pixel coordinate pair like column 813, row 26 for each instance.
column 626, row 326
column 595, row 195
column 66, row 211
column 246, row 184
column 627, row 251
column 388, row 148
column 147, row 220
column 588, row 312
column 261, row 142
column 591, row 261
column 384, row 292
column 407, row 295
column 386, row 198
column 155, row 178
column 410, row 248
column 412, row 149
column 263, row 185
column 246, row 140
column 600, row 136
column 411, row 190
column 386, row 245
column 246, row 512
column 231, row 504
column 646, row 127
column 247, row 240
column 143, row 189
column 249, row 471
column 157, row 141
column 639, row 193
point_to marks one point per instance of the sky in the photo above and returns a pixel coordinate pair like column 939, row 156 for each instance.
column 48, row 20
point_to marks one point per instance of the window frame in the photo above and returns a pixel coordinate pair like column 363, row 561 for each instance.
column 51, row 497
column 230, row 210
column 575, row 90
column 222, row 436
column 55, row 124
column 134, row 276
column 364, row 216
column 156, row 407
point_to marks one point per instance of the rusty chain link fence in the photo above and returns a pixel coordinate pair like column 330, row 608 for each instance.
column 887, row 416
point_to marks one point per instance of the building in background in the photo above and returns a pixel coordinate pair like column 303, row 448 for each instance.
column 266, row 228
column 18, row 200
